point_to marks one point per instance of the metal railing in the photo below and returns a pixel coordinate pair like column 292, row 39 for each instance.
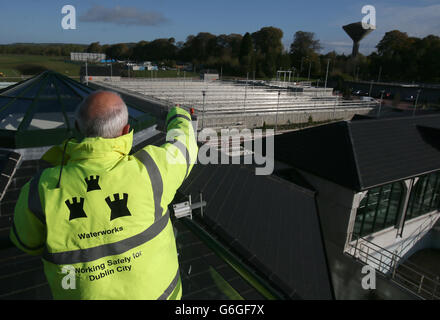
column 417, row 234
column 405, row 273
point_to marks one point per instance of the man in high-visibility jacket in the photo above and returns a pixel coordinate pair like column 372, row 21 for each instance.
column 99, row 218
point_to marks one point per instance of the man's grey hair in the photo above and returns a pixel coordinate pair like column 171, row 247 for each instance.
column 106, row 125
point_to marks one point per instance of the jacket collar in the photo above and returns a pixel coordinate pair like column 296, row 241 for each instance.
column 90, row 148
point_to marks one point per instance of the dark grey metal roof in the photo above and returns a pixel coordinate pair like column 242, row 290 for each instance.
column 363, row 154
column 270, row 222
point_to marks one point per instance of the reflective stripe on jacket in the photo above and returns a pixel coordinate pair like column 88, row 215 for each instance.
column 108, row 219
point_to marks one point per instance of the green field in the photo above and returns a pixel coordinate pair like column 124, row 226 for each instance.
column 17, row 65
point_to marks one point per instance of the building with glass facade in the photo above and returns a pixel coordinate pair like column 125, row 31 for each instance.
column 378, row 187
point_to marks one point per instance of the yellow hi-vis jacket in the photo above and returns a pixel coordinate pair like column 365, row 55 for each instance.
column 105, row 232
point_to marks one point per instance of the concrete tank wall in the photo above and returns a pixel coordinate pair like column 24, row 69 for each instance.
column 270, row 118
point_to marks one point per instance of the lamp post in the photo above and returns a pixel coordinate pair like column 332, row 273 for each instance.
column 203, row 115
column 380, row 103
column 371, row 87
column 310, row 68
column 87, row 76
column 276, row 115
column 326, row 74
column 417, row 99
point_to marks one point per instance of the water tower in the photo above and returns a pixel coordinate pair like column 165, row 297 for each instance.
column 357, row 31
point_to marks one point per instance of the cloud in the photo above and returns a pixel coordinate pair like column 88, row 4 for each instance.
column 416, row 21
column 123, row 16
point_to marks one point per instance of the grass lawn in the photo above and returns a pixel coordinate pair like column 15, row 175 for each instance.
column 15, row 65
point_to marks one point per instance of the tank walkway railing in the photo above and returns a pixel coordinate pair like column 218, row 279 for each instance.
column 417, row 234
column 405, row 273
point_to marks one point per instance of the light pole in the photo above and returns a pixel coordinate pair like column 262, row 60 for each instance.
column 203, row 115
column 87, row 77
column 380, row 103
column 371, row 87
column 301, row 67
column 276, row 115
column 334, row 109
column 415, row 105
column 245, row 97
column 326, row 74
column 310, row 68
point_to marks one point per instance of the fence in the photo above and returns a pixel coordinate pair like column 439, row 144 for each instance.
column 405, row 273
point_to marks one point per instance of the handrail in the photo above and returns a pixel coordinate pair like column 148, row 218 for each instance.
column 416, row 233
column 406, row 273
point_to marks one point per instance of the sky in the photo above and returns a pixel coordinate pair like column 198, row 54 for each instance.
column 112, row 21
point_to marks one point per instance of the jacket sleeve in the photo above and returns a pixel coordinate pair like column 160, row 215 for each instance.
column 175, row 159
column 28, row 232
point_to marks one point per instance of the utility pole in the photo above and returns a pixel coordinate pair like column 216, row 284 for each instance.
column 203, row 115
column 245, row 98
column 87, row 76
column 371, row 87
column 301, row 67
column 415, row 105
column 380, row 103
column 326, row 74
column 276, row 115
column 334, row 109
column 310, row 68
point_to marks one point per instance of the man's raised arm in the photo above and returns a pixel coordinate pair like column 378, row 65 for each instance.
column 174, row 159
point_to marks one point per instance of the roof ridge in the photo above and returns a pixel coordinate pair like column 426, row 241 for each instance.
column 281, row 180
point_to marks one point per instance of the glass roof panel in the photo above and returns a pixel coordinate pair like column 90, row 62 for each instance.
column 47, row 120
column 11, row 117
column 71, row 104
column 48, row 106
column 18, row 106
column 135, row 113
column 4, row 101
column 11, row 121
column 65, row 91
column 49, row 101
column 82, row 92
column 49, row 91
column 19, row 88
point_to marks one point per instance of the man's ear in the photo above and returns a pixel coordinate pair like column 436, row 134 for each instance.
column 126, row 129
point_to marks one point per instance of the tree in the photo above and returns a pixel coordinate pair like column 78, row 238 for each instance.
column 246, row 56
column 304, row 52
column 94, row 47
column 268, row 47
column 118, row 51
